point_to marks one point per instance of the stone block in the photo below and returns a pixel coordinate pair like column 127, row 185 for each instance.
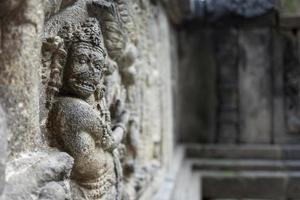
column 244, row 185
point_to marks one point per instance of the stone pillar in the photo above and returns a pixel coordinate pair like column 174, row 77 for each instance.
column 255, row 85
column 21, row 23
column 226, row 54
column 197, row 86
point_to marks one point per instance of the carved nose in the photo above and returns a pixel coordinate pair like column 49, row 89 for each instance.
column 92, row 68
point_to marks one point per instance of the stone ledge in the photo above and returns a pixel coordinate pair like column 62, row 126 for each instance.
column 245, row 165
column 267, row 152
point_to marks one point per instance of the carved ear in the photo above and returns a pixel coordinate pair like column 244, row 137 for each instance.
column 110, row 66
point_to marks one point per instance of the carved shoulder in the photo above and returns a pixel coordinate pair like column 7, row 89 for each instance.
column 75, row 115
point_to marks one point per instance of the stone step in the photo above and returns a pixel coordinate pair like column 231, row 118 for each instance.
column 248, row 184
column 257, row 152
column 245, row 165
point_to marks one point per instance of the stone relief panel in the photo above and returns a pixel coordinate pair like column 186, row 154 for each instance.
column 106, row 94
column 79, row 116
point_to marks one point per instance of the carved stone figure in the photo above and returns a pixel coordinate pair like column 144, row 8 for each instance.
column 79, row 118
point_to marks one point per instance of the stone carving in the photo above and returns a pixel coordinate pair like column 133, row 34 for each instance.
column 77, row 99
column 51, row 7
column 80, row 120
column 128, row 79
column 120, row 39
column 119, row 36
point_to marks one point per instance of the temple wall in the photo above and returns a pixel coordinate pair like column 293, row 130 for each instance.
column 125, row 140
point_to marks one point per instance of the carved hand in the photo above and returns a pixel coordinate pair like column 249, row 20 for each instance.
column 122, row 117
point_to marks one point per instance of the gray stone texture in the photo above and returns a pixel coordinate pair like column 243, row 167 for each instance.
column 137, row 37
column 38, row 176
column 196, row 86
column 227, row 74
column 19, row 71
column 255, row 86
column 227, row 110
column 139, row 76
column 231, row 86
column 3, row 148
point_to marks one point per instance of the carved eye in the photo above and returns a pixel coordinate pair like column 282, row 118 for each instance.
column 97, row 65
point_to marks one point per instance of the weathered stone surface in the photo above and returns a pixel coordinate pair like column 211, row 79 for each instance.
column 255, row 86
column 227, row 108
column 38, row 176
column 3, row 148
column 196, row 99
column 76, row 126
column 53, row 191
column 290, row 62
column 85, row 115
column 105, row 70
column 19, row 71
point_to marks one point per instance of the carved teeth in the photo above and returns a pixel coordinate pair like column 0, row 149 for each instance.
column 86, row 85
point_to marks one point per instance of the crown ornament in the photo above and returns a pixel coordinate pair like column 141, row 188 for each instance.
column 86, row 34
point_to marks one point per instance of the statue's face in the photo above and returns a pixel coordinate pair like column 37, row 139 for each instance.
column 84, row 71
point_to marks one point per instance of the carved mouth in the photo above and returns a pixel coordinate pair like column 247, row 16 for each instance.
column 85, row 85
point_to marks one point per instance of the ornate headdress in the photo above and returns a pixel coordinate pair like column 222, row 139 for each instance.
column 87, row 33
